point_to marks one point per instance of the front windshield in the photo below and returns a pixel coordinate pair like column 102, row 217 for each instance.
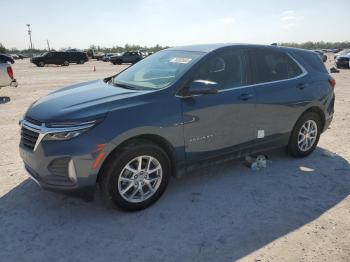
column 158, row 70
column 42, row 54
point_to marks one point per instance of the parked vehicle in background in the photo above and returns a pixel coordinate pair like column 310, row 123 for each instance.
column 21, row 56
column 6, row 75
column 59, row 58
column 73, row 50
column 6, row 59
column 94, row 54
column 131, row 132
column 106, row 57
column 98, row 56
column 15, row 56
column 343, row 52
column 144, row 53
column 343, row 61
column 322, row 55
column 127, row 57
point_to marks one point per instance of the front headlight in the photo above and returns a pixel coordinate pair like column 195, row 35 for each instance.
column 64, row 135
column 66, row 131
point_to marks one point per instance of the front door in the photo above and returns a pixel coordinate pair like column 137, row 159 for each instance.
column 222, row 122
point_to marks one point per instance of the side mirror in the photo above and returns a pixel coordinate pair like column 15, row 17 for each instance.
column 203, row 87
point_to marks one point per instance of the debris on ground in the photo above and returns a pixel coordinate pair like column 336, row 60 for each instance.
column 256, row 163
column 334, row 70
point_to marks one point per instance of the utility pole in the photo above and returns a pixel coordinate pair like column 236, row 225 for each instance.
column 30, row 36
column 48, row 45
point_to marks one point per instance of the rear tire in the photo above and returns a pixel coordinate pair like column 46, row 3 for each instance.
column 132, row 186
column 41, row 64
column 65, row 63
column 305, row 135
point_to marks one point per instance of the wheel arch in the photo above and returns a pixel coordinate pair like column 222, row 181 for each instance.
column 317, row 110
column 314, row 109
column 155, row 139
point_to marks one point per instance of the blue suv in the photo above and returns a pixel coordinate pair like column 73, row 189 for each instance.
column 131, row 132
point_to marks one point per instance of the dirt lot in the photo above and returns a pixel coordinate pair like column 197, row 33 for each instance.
column 295, row 210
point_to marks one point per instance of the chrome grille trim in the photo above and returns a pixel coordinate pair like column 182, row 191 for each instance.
column 43, row 130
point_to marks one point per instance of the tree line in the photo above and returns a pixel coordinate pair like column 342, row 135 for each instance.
column 319, row 45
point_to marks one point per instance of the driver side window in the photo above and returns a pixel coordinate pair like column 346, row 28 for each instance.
column 228, row 69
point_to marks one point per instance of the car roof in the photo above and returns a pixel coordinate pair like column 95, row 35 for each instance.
column 206, row 48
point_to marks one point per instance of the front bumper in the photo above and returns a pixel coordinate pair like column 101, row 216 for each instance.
column 69, row 166
column 73, row 176
column 342, row 64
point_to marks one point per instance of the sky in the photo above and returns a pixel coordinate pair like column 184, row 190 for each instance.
column 79, row 24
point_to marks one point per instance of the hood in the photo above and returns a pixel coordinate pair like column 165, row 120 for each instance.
column 81, row 102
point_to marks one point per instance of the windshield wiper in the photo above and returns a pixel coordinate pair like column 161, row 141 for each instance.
column 122, row 85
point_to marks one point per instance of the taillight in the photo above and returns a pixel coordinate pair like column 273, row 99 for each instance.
column 10, row 72
column 332, row 81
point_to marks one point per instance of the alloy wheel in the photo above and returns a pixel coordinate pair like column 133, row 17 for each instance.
column 307, row 135
column 140, row 178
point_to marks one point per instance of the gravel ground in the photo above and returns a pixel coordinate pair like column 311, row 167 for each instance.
column 294, row 210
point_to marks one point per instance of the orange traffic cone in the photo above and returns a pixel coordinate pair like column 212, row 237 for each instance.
column 94, row 69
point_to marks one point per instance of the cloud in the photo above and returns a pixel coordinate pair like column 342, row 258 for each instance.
column 226, row 20
column 289, row 19
column 288, row 12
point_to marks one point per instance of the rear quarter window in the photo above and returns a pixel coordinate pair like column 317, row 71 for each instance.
column 271, row 65
column 313, row 61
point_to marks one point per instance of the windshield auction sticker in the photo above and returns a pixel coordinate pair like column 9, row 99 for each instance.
column 180, row 60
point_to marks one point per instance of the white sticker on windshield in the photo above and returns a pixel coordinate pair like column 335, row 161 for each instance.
column 180, row 60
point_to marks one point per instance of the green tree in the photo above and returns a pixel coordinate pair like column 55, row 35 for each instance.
column 2, row 49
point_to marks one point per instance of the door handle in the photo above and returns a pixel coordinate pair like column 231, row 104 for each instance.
column 245, row 97
column 301, row 86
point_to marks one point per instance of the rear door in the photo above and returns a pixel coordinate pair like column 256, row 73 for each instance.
column 281, row 86
column 127, row 57
column 58, row 58
column 50, row 58
column 222, row 122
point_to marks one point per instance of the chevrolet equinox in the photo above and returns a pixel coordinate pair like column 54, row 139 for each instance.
column 131, row 132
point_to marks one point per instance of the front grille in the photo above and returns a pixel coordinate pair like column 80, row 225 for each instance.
column 28, row 138
column 343, row 59
column 33, row 121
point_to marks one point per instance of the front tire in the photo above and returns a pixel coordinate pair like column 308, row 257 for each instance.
column 65, row 63
column 305, row 135
column 136, row 176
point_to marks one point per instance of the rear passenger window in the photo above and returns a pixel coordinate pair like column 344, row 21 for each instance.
column 273, row 66
column 227, row 69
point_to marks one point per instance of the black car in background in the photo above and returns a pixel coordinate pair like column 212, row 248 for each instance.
column 343, row 61
column 127, row 57
column 59, row 58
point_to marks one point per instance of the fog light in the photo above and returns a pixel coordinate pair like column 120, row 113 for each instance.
column 71, row 171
